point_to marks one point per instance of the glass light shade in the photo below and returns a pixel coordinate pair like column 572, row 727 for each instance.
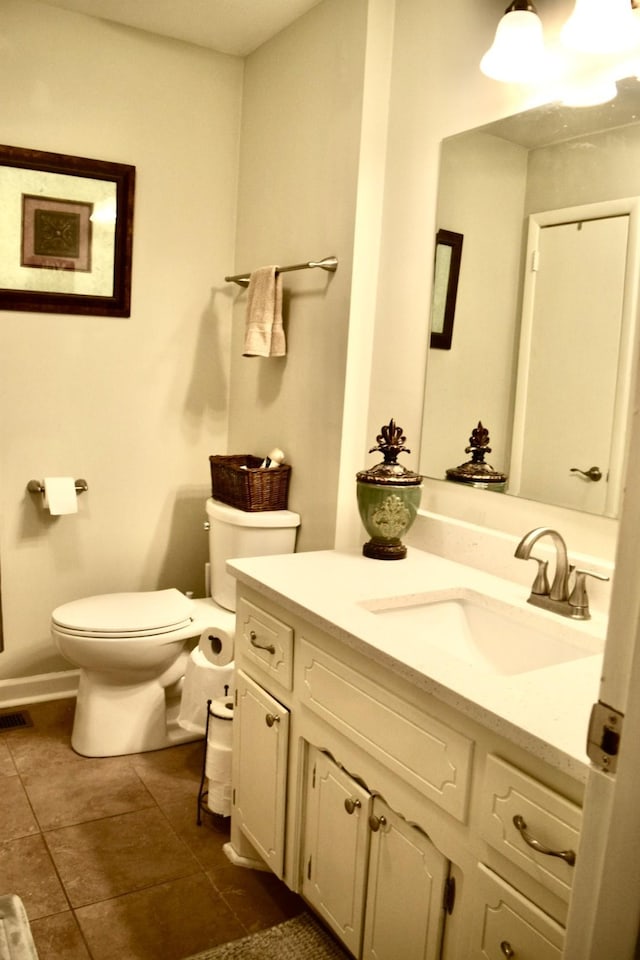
column 517, row 54
column 601, row 26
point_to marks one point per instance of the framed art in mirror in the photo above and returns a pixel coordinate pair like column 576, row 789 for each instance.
column 66, row 234
column 445, row 287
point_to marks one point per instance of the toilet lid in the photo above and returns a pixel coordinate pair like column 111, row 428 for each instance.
column 126, row 614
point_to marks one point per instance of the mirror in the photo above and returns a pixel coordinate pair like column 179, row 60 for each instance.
column 530, row 357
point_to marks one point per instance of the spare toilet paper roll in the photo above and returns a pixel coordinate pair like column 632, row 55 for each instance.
column 202, row 681
column 216, row 644
column 60, row 496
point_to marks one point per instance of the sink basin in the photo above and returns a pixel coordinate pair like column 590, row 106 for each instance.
column 485, row 637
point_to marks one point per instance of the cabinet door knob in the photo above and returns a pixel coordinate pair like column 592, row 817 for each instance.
column 567, row 855
column 351, row 804
column 507, row 949
column 376, row 822
column 270, row 719
column 253, row 639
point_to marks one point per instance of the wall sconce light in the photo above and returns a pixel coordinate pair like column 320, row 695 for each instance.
column 601, row 26
column 517, row 54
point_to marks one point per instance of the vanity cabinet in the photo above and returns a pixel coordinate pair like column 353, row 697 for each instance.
column 259, row 769
column 375, row 879
column 411, row 829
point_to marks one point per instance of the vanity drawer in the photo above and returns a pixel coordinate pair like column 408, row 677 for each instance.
column 546, row 817
column 266, row 642
column 506, row 924
column 425, row 753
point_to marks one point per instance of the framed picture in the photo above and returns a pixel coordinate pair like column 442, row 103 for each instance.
column 66, row 233
column 445, row 287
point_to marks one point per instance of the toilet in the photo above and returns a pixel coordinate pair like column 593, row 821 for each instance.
column 132, row 648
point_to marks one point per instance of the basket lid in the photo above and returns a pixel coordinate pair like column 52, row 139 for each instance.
column 216, row 510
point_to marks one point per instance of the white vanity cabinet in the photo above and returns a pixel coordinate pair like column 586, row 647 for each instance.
column 367, row 872
column 259, row 769
column 375, row 801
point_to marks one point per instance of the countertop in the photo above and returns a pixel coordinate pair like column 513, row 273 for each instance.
column 545, row 711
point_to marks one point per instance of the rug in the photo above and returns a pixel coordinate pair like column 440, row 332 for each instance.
column 301, row 938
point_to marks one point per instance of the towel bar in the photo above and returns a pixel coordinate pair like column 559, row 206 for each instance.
column 327, row 263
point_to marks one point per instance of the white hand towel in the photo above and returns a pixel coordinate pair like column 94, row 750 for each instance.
column 264, row 332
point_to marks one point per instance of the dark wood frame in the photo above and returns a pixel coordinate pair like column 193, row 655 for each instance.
column 441, row 340
column 118, row 303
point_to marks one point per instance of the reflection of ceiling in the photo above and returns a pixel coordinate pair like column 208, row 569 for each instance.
column 553, row 123
column 229, row 26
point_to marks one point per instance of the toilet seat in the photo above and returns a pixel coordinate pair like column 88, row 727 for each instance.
column 126, row 615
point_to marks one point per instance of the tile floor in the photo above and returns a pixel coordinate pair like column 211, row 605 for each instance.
column 106, row 854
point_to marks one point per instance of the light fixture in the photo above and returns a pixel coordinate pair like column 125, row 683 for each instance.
column 601, row 26
column 517, row 54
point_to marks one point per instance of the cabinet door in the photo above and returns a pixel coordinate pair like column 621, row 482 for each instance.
column 336, row 843
column 261, row 735
column 405, row 891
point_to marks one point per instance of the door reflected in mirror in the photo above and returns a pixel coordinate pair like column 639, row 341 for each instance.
column 545, row 322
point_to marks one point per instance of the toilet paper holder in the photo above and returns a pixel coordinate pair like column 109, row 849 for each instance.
column 37, row 486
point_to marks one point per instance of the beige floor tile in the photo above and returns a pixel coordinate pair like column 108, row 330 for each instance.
column 26, row 870
column 205, row 841
column 257, row 898
column 59, row 938
column 110, row 857
column 7, row 766
column 171, row 775
column 85, row 791
column 152, row 924
column 16, row 815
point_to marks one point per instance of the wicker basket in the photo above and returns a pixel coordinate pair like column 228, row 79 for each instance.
column 254, row 489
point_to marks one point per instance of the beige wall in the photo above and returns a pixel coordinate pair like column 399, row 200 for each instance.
column 296, row 201
column 133, row 405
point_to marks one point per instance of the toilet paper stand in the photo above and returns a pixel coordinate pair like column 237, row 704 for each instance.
column 203, row 792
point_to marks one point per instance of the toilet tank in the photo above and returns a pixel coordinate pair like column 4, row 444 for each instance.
column 237, row 533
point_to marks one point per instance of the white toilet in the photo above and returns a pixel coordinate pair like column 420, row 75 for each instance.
column 132, row 648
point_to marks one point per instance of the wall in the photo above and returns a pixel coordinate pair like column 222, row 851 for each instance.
column 133, row 405
column 298, row 184
column 474, row 380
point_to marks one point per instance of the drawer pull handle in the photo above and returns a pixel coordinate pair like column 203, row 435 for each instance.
column 567, row 855
column 376, row 822
column 270, row 719
column 351, row 804
column 507, row 949
column 269, row 647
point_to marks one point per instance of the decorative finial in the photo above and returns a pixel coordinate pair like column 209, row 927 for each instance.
column 478, row 444
column 391, row 442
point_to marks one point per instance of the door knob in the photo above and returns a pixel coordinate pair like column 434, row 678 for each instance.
column 593, row 473
column 270, row 719
column 351, row 804
column 376, row 822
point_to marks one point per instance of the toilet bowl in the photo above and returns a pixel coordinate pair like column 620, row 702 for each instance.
column 132, row 648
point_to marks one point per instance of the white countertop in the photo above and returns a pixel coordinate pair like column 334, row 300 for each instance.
column 545, row 711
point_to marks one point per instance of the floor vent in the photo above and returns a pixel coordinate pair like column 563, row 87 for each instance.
column 15, row 720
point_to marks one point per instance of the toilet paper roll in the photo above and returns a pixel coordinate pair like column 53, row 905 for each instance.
column 60, row 496
column 202, row 681
column 218, row 763
column 216, row 645
column 219, row 798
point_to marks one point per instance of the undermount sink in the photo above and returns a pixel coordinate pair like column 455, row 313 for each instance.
column 487, row 638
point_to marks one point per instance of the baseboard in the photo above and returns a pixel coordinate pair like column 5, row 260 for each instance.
column 38, row 688
column 239, row 861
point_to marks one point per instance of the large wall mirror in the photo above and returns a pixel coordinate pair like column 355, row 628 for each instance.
column 544, row 345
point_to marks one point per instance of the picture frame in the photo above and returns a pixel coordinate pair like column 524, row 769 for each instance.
column 66, row 233
column 447, row 260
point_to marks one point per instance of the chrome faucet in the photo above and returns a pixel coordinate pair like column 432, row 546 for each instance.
column 558, row 597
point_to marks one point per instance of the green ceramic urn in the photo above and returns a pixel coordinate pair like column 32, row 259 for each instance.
column 388, row 497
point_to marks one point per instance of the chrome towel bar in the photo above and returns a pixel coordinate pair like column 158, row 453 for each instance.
column 327, row 263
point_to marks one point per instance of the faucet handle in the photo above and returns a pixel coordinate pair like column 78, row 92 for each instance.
column 541, row 583
column 579, row 600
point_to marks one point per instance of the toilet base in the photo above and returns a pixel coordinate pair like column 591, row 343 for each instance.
column 112, row 719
